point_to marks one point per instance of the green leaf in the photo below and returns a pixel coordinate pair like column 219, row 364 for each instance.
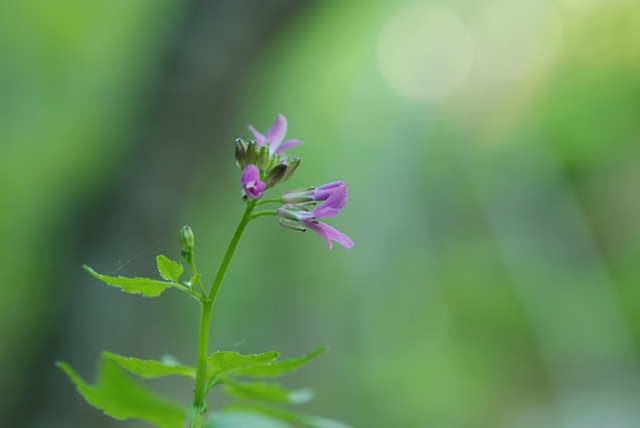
column 239, row 419
column 287, row 415
column 278, row 368
column 149, row 369
column 169, row 269
column 120, row 397
column 224, row 362
column 266, row 392
column 145, row 286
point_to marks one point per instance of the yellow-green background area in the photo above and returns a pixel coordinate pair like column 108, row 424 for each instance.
column 492, row 155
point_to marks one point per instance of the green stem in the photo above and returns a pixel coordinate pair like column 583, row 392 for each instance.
column 224, row 264
column 268, row 201
column 261, row 213
column 199, row 406
column 188, row 291
column 196, row 275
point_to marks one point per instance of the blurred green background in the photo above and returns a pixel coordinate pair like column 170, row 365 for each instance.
column 492, row 155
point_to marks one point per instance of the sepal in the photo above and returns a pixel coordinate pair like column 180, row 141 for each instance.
column 241, row 153
column 275, row 175
column 291, row 168
column 252, row 153
column 263, row 158
column 187, row 238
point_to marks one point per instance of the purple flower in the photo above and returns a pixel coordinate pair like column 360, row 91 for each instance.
column 329, row 208
column 251, row 182
column 310, row 195
column 274, row 137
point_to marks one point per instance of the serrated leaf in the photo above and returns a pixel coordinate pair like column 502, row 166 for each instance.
column 266, row 392
column 238, row 419
column 145, row 286
column 286, row 415
column 118, row 396
column 149, row 369
column 169, row 269
column 278, row 368
column 224, row 362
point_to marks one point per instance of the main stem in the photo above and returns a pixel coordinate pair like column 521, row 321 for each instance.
column 199, row 406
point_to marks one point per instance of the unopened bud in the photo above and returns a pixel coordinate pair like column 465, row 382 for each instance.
column 252, row 153
column 186, row 238
column 241, row 153
column 276, row 174
column 275, row 160
column 291, row 168
column 263, row 158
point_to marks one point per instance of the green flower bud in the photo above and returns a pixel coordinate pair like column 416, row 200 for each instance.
column 186, row 238
column 263, row 158
column 252, row 153
column 276, row 174
column 241, row 153
column 291, row 168
column 275, row 160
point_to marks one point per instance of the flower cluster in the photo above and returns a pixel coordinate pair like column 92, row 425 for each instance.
column 264, row 165
column 262, row 160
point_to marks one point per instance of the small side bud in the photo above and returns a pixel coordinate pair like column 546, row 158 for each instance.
column 276, row 174
column 263, row 158
column 252, row 153
column 186, row 238
column 241, row 153
column 291, row 168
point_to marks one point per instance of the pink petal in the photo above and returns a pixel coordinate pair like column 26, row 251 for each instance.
column 260, row 139
column 332, row 205
column 329, row 234
column 323, row 192
column 276, row 133
column 287, row 145
column 251, row 182
column 250, row 173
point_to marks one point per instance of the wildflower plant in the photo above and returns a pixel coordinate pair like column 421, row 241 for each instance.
column 247, row 379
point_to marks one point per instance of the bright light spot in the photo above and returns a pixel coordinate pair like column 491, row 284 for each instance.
column 425, row 52
column 516, row 39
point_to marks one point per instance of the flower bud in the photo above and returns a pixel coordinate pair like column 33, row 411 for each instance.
column 293, row 165
column 252, row 153
column 241, row 153
column 186, row 238
column 275, row 160
column 276, row 174
column 263, row 158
